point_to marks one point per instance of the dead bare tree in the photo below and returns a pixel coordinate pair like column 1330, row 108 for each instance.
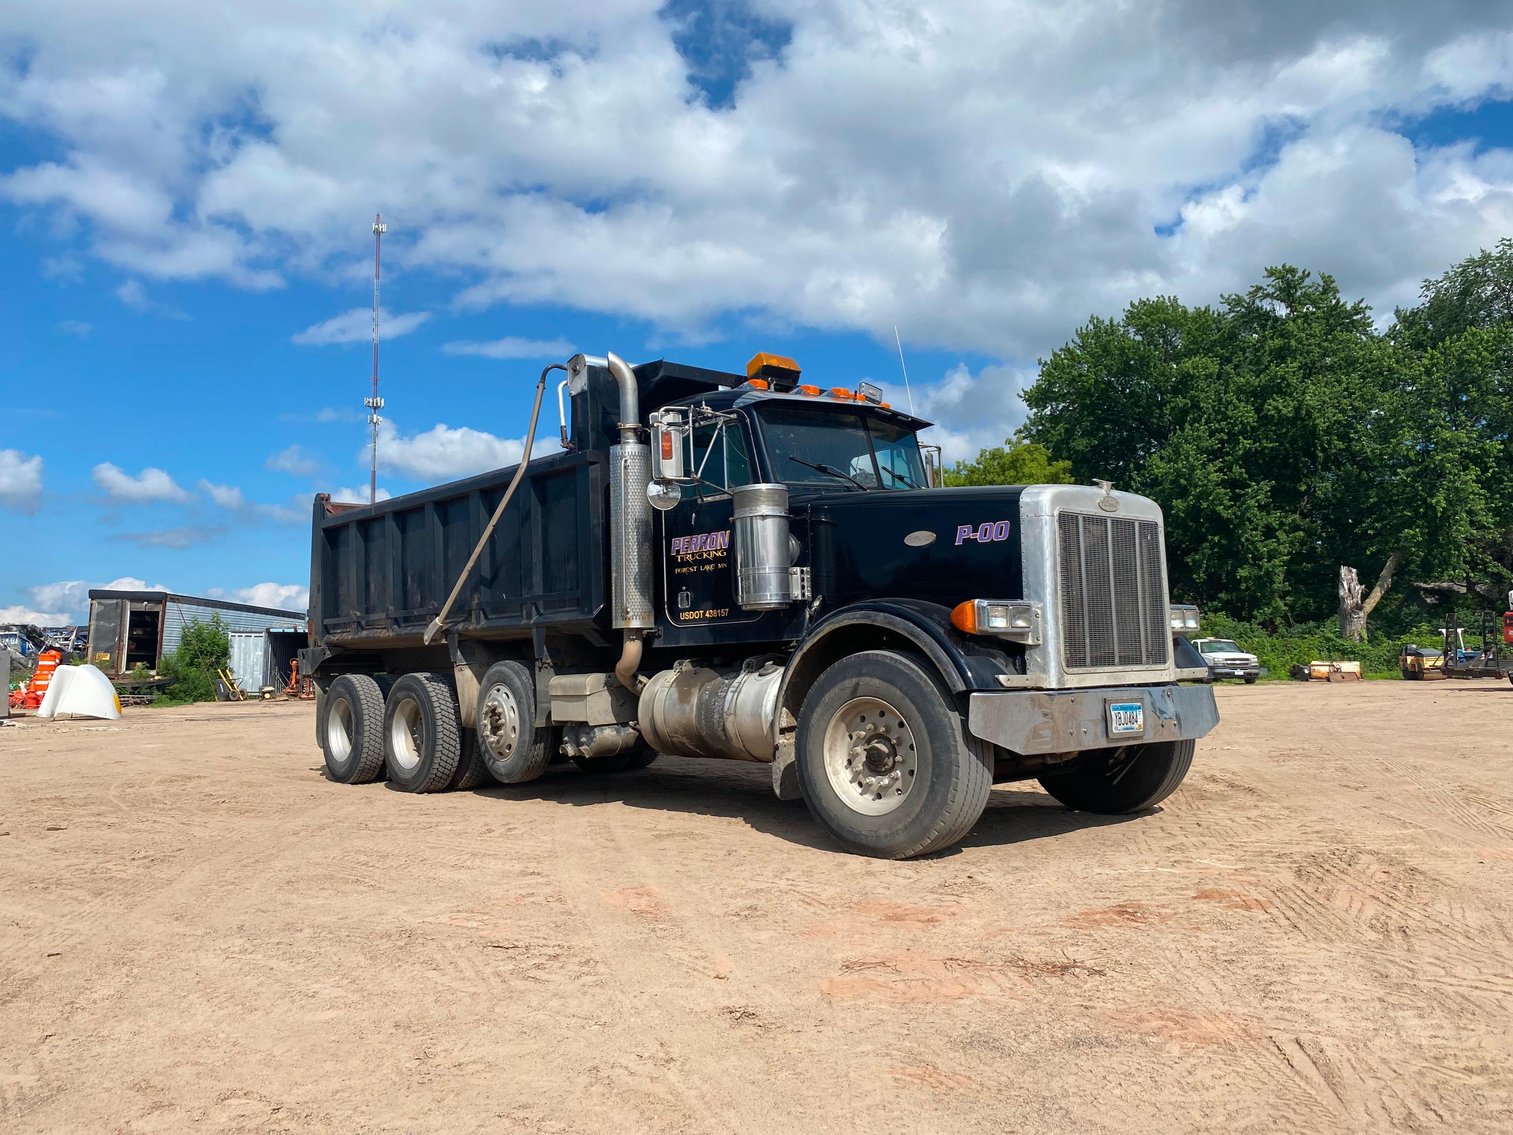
column 1355, row 610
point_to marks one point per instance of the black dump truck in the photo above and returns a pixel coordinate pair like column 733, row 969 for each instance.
column 750, row 568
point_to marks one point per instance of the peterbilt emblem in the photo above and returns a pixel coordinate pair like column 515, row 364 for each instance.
column 1108, row 502
column 921, row 539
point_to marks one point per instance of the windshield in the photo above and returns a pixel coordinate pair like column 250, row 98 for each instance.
column 837, row 448
column 1221, row 646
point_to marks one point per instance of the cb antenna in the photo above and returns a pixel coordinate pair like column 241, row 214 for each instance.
column 375, row 403
column 899, row 343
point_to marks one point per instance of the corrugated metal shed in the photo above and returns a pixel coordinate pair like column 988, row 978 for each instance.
column 131, row 627
column 181, row 610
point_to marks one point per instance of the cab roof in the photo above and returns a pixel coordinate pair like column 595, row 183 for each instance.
column 745, row 396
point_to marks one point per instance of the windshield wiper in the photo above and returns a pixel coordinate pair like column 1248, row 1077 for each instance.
column 829, row 471
column 899, row 477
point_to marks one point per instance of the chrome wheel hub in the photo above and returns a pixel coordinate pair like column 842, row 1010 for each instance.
column 870, row 756
column 407, row 734
column 339, row 729
column 499, row 722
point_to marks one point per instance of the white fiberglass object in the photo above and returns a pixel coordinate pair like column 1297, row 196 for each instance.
column 80, row 691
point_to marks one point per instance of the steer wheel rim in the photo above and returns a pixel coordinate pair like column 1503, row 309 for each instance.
column 407, row 734
column 339, row 729
column 870, row 756
column 499, row 722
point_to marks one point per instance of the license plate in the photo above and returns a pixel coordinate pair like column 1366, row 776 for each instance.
column 1126, row 719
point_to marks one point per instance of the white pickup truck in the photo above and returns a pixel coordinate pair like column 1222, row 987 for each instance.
column 1225, row 659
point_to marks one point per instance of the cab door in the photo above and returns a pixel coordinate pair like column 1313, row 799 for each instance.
column 697, row 536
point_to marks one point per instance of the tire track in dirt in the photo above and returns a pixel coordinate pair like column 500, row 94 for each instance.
column 630, row 938
column 96, row 934
column 1464, row 807
column 1354, row 1084
column 1382, row 897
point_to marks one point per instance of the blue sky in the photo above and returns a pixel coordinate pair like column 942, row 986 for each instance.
column 186, row 191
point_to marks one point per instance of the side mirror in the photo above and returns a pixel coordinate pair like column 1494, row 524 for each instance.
column 930, row 455
column 664, row 495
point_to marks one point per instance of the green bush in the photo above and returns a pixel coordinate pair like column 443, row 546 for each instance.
column 1279, row 651
column 190, row 668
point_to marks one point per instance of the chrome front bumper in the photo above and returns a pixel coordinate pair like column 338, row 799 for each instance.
column 1068, row 721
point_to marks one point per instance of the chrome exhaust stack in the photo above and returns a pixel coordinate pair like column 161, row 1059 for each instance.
column 629, row 524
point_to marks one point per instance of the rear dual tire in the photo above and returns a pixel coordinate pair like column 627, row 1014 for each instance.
column 355, row 722
column 422, row 734
column 350, row 719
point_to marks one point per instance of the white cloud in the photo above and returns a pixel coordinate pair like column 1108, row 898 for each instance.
column 357, row 495
column 985, row 173
column 225, row 496
column 512, row 348
column 72, row 595
column 283, row 514
column 280, row 596
column 295, row 460
column 20, row 480
column 134, row 295
column 971, row 412
column 149, row 485
column 32, row 617
column 442, row 453
column 75, row 327
column 68, row 594
column 356, row 326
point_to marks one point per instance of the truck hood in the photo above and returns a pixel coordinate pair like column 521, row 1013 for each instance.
column 940, row 545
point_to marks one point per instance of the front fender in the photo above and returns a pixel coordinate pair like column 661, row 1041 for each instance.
column 964, row 662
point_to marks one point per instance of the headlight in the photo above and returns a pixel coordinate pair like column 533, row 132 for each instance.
column 1006, row 618
column 1184, row 617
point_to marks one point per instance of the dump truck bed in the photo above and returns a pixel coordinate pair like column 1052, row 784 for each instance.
column 379, row 574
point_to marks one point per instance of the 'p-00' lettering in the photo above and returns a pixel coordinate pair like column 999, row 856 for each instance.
column 988, row 533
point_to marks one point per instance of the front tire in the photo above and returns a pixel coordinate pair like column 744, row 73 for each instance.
column 422, row 736
column 884, row 759
column 351, row 729
column 514, row 750
column 1127, row 778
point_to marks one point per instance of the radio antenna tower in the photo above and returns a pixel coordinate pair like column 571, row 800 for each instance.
column 375, row 403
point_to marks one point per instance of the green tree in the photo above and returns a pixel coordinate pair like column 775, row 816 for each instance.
column 203, row 649
column 1243, row 421
column 1015, row 462
column 1290, row 443
column 1476, row 293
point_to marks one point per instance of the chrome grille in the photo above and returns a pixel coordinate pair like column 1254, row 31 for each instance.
column 1113, row 592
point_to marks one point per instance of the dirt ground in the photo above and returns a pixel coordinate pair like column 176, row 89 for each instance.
column 197, row 931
